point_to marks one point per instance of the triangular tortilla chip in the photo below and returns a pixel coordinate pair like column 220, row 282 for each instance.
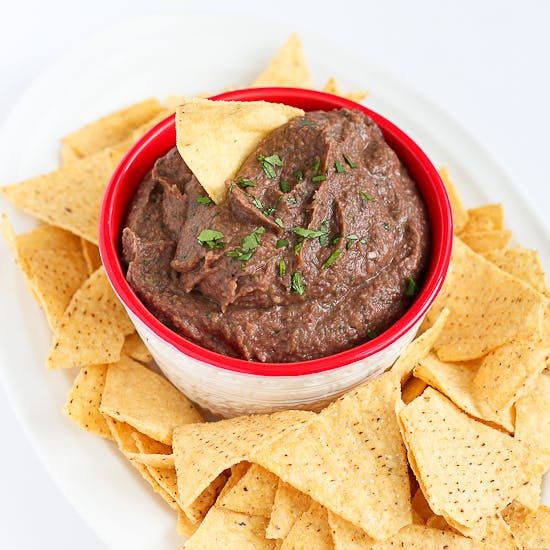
column 145, row 127
column 253, row 494
column 419, row 348
column 467, row 470
column 345, row 536
column 83, row 401
column 203, row 451
column 215, row 137
column 228, row 530
column 135, row 348
column 146, row 401
column 506, row 373
column 332, row 87
column 287, row 68
column 310, row 531
column 93, row 327
column 53, row 264
column 288, row 506
column 523, row 263
column 488, row 217
column 153, row 459
column 489, row 307
column 360, row 468
column 91, row 255
column 109, row 130
column 460, row 214
column 456, row 381
column 531, row 529
column 484, row 242
column 70, row 197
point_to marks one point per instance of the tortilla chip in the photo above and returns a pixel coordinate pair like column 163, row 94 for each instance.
column 135, row 348
column 203, row 451
column 499, row 536
column 83, row 401
column 419, row 347
column 456, row 381
column 523, row 263
column 253, row 494
column 466, row 470
column 488, row 217
column 360, row 468
column 123, row 435
column 70, row 197
column 52, row 263
column 185, row 526
column 91, row 255
column 310, row 531
column 507, row 372
column 420, row 505
column 109, row 130
column 332, row 87
column 145, row 127
column 288, row 506
column 236, row 473
column 68, row 154
column 483, row 242
column 531, row 529
column 488, row 307
column 460, row 214
column 412, row 389
column 228, row 530
column 153, row 459
column 93, row 327
column 287, row 68
column 215, row 137
column 146, row 401
column 345, row 536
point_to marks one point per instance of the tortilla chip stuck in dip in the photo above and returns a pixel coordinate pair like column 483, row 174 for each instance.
column 307, row 239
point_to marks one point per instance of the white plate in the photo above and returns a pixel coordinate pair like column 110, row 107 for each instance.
column 161, row 56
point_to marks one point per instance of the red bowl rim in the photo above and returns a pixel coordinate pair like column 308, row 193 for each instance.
column 433, row 280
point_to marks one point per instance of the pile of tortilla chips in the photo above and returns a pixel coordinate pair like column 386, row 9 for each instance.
column 445, row 450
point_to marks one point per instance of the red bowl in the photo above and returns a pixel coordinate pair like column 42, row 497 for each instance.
column 160, row 139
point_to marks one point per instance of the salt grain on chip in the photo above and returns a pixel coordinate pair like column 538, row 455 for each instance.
column 70, row 197
column 215, row 137
column 146, row 401
column 467, row 470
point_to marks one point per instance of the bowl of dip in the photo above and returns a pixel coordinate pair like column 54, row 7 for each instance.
column 310, row 279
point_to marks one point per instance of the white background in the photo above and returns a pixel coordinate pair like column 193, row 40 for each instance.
column 485, row 63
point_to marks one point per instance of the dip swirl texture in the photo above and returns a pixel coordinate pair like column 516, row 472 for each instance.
column 319, row 247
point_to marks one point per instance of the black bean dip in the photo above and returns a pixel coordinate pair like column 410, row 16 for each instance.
column 320, row 246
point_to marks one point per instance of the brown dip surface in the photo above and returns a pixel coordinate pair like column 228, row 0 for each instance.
column 267, row 290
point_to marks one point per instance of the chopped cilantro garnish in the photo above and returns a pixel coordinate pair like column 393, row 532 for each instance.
column 363, row 241
column 244, row 183
column 386, row 226
column 366, row 196
column 281, row 243
column 323, row 239
column 249, row 246
column 335, row 240
column 282, row 267
column 298, row 247
column 292, row 200
column 299, row 175
column 284, row 186
column 320, row 177
column 332, row 258
column 411, row 287
column 350, row 240
column 280, row 223
column 257, row 203
column 269, row 163
column 316, row 165
column 211, row 238
column 296, row 283
column 307, row 122
column 307, row 233
column 349, row 162
column 204, row 199
column 268, row 211
column 339, row 167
